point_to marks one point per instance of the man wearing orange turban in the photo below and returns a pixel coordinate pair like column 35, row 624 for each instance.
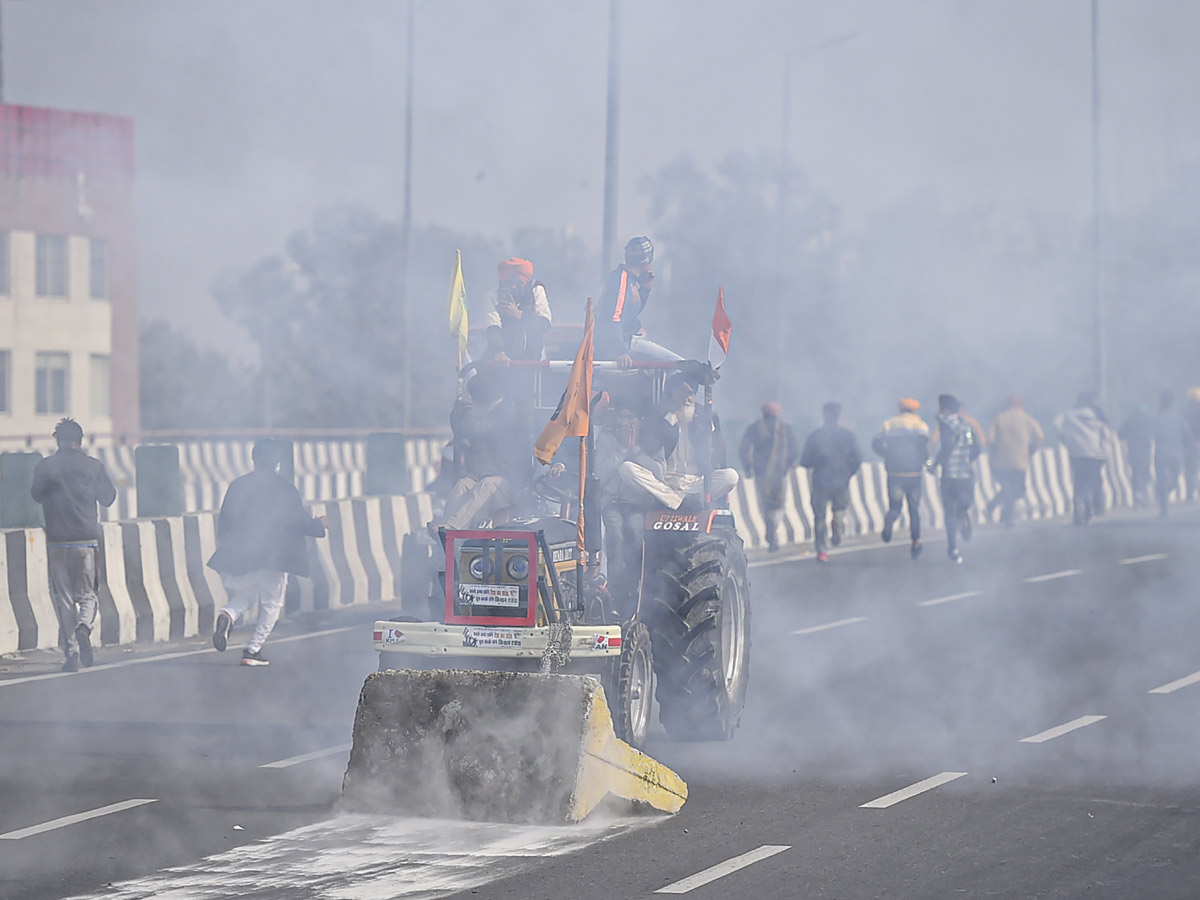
column 903, row 442
column 518, row 313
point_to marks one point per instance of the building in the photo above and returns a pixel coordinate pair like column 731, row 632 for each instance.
column 68, row 299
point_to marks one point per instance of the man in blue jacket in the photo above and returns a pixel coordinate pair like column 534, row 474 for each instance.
column 260, row 540
column 619, row 332
column 903, row 442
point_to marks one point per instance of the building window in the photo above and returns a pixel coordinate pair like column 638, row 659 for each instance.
column 101, row 386
column 99, row 269
column 52, row 377
column 51, row 265
column 5, row 287
column 5, row 381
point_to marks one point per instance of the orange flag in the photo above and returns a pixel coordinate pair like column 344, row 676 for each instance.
column 573, row 415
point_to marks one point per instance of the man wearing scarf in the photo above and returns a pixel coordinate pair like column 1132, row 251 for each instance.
column 769, row 451
column 518, row 313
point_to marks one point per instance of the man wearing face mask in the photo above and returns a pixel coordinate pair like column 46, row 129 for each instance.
column 518, row 313
column 668, row 466
column 619, row 332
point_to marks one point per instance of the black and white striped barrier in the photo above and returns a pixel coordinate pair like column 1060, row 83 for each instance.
column 154, row 584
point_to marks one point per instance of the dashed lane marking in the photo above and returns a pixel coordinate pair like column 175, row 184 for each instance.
column 64, row 821
column 829, row 625
column 963, row 596
column 161, row 657
column 1173, row 686
column 305, row 757
column 1134, row 560
column 1065, row 573
column 913, row 790
column 1051, row 733
column 720, row 870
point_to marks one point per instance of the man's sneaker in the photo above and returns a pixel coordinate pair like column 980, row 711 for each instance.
column 916, row 549
column 835, row 532
column 221, row 632
column 822, row 556
column 83, row 635
column 72, row 664
column 967, row 525
column 955, row 556
column 254, row 658
column 886, row 534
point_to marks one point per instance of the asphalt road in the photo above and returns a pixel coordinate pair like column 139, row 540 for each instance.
column 1021, row 725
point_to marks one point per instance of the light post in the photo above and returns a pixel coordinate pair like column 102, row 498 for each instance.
column 1099, row 323
column 406, row 230
column 612, row 117
column 784, row 167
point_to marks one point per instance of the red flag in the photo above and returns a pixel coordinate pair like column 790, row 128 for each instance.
column 718, row 344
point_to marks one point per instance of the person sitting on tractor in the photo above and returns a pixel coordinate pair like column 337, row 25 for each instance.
column 617, row 443
column 497, row 461
column 518, row 314
column 619, row 332
column 669, row 466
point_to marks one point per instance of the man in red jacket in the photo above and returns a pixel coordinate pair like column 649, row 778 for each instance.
column 260, row 540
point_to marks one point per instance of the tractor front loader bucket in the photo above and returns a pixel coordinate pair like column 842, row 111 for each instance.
column 495, row 746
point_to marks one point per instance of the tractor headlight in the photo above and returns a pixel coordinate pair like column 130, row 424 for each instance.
column 517, row 568
column 480, row 568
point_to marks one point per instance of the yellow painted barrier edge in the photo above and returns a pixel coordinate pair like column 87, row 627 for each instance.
column 608, row 765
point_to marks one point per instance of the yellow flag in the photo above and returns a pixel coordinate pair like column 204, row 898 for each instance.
column 573, row 415
column 458, row 309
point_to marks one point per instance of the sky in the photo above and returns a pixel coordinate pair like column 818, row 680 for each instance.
column 252, row 114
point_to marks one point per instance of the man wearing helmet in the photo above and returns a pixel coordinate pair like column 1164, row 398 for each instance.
column 619, row 332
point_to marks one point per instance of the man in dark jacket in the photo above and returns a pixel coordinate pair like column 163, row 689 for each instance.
column 769, row 451
column 68, row 485
column 903, row 442
column 619, row 332
column 260, row 541
column 1174, row 449
column 831, row 453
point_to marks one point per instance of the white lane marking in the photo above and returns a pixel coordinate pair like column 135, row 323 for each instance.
column 720, row 870
column 1177, row 684
column 305, row 757
column 829, row 625
column 1065, row 573
column 361, row 857
column 64, row 821
column 1134, row 560
column 912, row 790
column 1051, row 733
column 952, row 597
column 162, row 657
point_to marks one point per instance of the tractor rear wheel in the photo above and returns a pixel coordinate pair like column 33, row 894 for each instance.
column 698, row 611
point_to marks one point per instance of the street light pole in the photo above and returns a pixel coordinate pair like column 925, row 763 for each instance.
column 406, row 229
column 785, row 165
column 1100, row 324
column 612, row 121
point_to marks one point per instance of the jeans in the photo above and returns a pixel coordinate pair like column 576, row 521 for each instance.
column 1012, row 489
column 957, row 496
column 822, row 499
column 73, row 590
column 1088, row 488
column 901, row 488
